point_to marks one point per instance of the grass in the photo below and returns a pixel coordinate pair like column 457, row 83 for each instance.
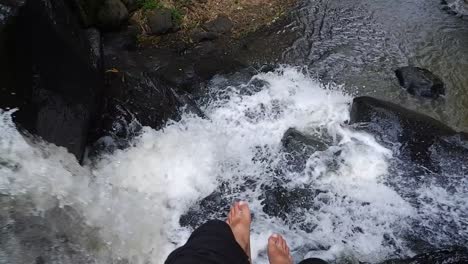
column 149, row 4
column 177, row 15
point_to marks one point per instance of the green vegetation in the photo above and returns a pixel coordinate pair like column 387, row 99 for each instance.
column 149, row 4
column 177, row 15
column 176, row 12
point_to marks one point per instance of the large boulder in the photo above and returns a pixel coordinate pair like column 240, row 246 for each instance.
column 112, row 14
column 222, row 24
column 160, row 21
column 420, row 82
column 151, row 104
column 8, row 17
column 87, row 11
column 419, row 136
column 134, row 96
column 56, row 73
column 131, row 5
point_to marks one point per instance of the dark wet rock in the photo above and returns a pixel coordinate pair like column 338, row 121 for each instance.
column 293, row 140
column 151, row 104
column 456, row 7
column 449, row 256
column 299, row 147
column 160, row 21
column 118, row 126
column 420, row 82
column 199, row 36
column 95, row 41
column 87, row 11
column 448, row 156
column 215, row 203
column 186, row 102
column 280, row 202
column 8, row 17
column 222, row 24
column 112, row 14
column 417, row 135
column 180, row 74
column 131, row 5
column 124, row 39
column 56, row 83
column 290, row 204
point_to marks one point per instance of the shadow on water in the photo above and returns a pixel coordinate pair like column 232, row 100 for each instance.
column 361, row 43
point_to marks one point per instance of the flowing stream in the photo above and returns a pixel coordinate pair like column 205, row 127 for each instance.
column 127, row 205
column 349, row 203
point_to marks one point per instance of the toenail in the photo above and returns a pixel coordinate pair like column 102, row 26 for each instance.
column 275, row 235
column 242, row 203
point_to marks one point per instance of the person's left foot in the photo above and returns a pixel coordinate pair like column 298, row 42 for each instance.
column 239, row 220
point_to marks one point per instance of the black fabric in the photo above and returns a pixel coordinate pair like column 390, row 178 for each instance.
column 211, row 243
column 313, row 261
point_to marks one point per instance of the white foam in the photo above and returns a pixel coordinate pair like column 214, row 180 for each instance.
column 136, row 196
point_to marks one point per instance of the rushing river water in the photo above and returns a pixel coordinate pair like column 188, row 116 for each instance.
column 361, row 43
column 348, row 204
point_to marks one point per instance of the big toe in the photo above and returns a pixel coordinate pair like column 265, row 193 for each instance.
column 243, row 210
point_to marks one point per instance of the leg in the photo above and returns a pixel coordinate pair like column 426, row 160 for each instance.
column 217, row 241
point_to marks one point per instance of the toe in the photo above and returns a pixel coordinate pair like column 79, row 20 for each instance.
column 273, row 240
column 244, row 207
column 282, row 243
column 235, row 209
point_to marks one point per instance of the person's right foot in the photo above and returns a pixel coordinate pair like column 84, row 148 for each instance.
column 278, row 250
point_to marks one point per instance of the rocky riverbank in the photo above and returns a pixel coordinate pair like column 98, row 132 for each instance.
column 97, row 66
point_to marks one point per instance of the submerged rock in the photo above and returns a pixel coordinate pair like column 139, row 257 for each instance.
column 450, row 256
column 456, row 7
column 215, row 203
column 299, row 147
column 281, row 202
column 420, row 82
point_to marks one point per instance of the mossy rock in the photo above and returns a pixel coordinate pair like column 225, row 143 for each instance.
column 111, row 15
column 89, row 10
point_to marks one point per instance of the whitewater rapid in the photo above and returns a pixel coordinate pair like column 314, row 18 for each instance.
column 131, row 201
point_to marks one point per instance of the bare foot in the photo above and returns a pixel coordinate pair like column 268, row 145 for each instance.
column 239, row 220
column 278, row 250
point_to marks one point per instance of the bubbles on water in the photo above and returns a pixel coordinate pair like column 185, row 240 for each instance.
column 142, row 202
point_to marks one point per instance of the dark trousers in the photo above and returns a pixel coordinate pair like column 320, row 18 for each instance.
column 214, row 243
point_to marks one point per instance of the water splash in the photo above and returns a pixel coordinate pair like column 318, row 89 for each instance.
column 127, row 205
